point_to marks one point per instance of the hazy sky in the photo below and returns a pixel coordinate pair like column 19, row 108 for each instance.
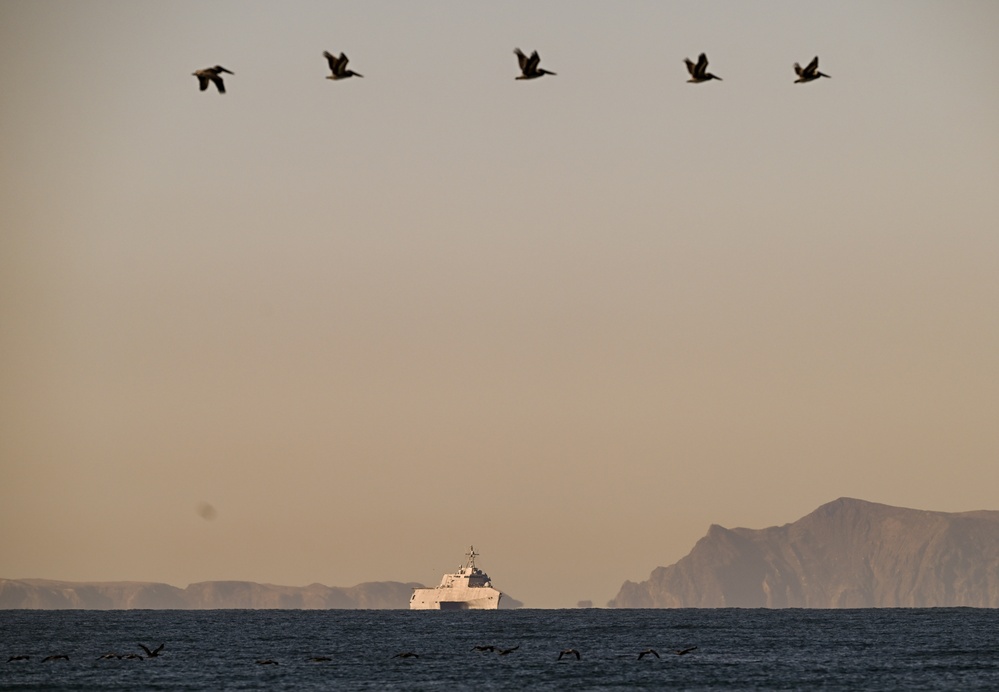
column 573, row 321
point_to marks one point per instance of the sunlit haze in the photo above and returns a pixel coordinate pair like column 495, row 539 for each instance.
column 337, row 331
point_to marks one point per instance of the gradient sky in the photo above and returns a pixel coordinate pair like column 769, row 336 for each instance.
column 573, row 321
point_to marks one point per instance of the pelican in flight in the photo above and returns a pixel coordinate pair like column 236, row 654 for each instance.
column 214, row 74
column 648, row 652
column 151, row 654
column 568, row 652
column 529, row 65
column 683, row 652
column 338, row 66
column 698, row 72
column 810, row 71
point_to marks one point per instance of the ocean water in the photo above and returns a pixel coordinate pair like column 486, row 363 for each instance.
column 896, row 649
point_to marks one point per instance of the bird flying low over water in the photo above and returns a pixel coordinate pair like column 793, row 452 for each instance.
column 698, row 72
column 154, row 653
column 568, row 652
column 338, row 66
column 214, row 74
column 648, row 652
column 684, row 652
column 529, row 65
column 810, row 72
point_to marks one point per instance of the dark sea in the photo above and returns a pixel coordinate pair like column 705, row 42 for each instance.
column 882, row 649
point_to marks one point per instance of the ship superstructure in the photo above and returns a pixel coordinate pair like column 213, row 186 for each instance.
column 467, row 589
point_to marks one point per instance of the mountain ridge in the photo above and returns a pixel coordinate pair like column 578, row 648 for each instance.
column 847, row 553
column 116, row 595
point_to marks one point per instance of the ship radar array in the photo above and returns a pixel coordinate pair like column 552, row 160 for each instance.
column 528, row 67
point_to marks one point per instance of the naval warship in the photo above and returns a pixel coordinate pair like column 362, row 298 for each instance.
column 467, row 589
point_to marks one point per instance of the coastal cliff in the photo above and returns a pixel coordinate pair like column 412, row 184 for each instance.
column 846, row 554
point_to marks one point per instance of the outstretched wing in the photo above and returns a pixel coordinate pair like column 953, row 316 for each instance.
column 812, row 66
column 203, row 81
column 521, row 60
column 532, row 63
column 219, row 84
column 797, row 70
column 691, row 67
column 331, row 59
column 702, row 65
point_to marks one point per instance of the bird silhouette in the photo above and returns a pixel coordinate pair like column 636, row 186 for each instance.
column 698, row 72
column 810, row 72
column 213, row 74
column 151, row 654
column 568, row 652
column 682, row 652
column 529, row 65
column 648, row 652
column 338, row 66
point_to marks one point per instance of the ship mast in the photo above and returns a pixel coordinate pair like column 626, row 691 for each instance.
column 471, row 557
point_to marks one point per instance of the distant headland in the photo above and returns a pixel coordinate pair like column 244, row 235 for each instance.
column 846, row 554
column 208, row 595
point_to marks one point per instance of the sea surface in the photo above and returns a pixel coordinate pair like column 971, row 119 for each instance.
column 737, row 649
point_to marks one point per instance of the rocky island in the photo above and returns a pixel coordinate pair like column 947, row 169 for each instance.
column 846, row 554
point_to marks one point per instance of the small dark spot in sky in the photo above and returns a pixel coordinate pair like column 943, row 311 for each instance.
column 206, row 511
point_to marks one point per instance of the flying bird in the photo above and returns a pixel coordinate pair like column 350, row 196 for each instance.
column 698, row 72
column 681, row 652
column 154, row 653
column 214, row 74
column 648, row 652
column 267, row 662
column 810, row 72
column 504, row 652
column 487, row 647
column 406, row 654
column 568, row 652
column 338, row 66
column 55, row 657
column 529, row 65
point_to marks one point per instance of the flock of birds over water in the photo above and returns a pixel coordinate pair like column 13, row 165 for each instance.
column 567, row 654
column 529, row 69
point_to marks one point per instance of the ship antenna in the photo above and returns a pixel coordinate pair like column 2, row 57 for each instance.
column 471, row 556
